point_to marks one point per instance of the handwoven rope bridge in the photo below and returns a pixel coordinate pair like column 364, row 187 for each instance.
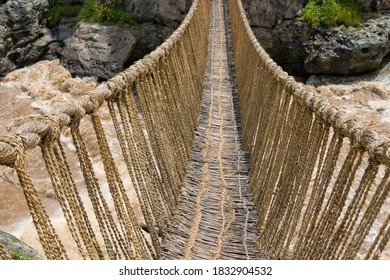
column 230, row 158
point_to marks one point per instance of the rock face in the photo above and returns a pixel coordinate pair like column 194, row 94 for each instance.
column 90, row 49
column 338, row 52
column 158, row 20
column 369, row 5
column 167, row 12
column 104, row 50
column 279, row 30
column 151, row 35
column 300, row 49
column 384, row 5
column 17, row 249
column 23, row 35
column 269, row 13
column 285, row 43
column 98, row 50
column 379, row 75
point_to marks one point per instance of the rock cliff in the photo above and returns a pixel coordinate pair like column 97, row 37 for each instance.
column 102, row 51
column 300, row 49
column 24, row 36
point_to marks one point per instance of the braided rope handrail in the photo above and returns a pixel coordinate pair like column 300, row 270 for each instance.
column 317, row 195
column 33, row 132
column 312, row 200
column 363, row 138
column 165, row 88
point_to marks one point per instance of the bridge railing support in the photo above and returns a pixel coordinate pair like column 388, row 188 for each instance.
column 149, row 111
column 320, row 179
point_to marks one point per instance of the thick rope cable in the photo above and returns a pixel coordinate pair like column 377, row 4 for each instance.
column 316, row 172
column 3, row 253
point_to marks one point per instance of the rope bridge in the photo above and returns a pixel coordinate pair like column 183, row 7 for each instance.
column 229, row 157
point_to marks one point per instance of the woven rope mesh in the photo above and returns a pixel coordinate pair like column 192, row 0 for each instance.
column 225, row 154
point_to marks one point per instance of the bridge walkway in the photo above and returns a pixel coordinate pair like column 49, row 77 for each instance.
column 215, row 217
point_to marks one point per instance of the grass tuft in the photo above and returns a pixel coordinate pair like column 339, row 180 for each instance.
column 330, row 13
column 110, row 12
column 93, row 11
column 58, row 11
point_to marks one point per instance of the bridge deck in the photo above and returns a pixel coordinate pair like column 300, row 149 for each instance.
column 215, row 218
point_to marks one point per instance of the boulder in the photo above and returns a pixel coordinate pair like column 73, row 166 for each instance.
column 384, row 5
column 299, row 48
column 379, row 75
column 374, row 5
column 102, row 50
column 151, row 35
column 98, row 50
column 269, row 13
column 368, row 5
column 346, row 51
column 17, row 249
column 23, row 35
column 284, row 43
column 166, row 12
column 277, row 26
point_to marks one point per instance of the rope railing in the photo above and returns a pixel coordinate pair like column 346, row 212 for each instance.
column 153, row 106
column 320, row 179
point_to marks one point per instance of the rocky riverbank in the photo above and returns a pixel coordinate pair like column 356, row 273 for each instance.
column 101, row 50
column 85, row 49
column 302, row 50
column 17, row 249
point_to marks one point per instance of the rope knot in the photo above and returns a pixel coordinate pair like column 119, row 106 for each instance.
column 12, row 150
column 52, row 130
column 74, row 111
column 116, row 86
column 96, row 98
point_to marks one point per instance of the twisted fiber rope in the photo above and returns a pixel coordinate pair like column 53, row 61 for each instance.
column 277, row 132
column 49, row 239
column 145, row 200
column 67, row 193
column 146, row 155
column 341, row 238
column 3, row 253
column 368, row 219
column 215, row 217
column 52, row 166
column 361, row 137
column 34, row 131
column 112, row 237
column 321, row 185
column 177, row 65
column 357, row 204
column 336, row 201
column 312, row 209
column 126, row 216
column 278, row 184
column 381, row 241
column 298, row 184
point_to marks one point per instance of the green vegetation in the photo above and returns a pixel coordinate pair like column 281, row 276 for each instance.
column 18, row 254
column 332, row 12
column 108, row 11
column 58, row 11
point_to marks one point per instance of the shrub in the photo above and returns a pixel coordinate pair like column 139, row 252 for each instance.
column 106, row 11
column 332, row 12
column 58, row 11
